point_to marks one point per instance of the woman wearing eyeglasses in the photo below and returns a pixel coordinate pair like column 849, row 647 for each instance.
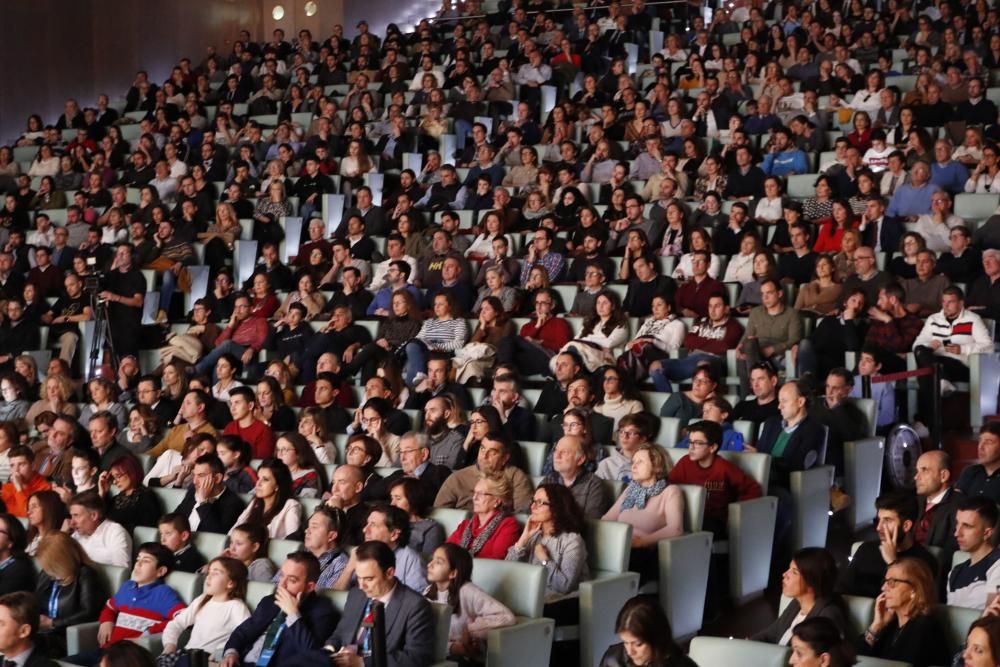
column 552, row 537
column 134, row 504
column 904, row 628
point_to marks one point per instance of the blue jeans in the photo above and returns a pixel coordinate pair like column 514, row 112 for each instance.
column 207, row 363
column 416, row 360
column 167, row 290
column 679, row 369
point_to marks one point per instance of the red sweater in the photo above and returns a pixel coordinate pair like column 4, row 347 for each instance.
column 259, row 435
column 553, row 334
column 496, row 547
column 724, row 482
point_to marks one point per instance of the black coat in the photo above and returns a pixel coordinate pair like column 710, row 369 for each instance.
column 217, row 516
column 832, row 608
column 800, row 452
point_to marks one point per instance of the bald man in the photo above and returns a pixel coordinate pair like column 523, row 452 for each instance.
column 938, row 502
column 345, row 493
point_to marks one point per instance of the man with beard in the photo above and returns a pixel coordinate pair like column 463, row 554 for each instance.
column 446, row 443
column 897, row 518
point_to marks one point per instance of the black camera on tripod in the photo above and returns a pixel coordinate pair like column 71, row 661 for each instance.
column 93, row 279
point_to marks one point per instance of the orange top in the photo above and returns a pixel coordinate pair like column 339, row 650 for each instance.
column 17, row 501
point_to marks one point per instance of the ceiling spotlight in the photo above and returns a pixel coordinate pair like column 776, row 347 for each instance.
column 311, row 8
column 278, row 12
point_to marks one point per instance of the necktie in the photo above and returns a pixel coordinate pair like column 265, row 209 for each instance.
column 924, row 525
column 892, row 185
column 273, row 630
column 364, row 639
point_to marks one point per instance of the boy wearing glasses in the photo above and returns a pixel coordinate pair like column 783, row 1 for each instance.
column 724, row 482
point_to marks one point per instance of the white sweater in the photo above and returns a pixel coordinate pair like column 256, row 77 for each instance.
column 284, row 523
column 480, row 613
column 213, row 624
column 967, row 331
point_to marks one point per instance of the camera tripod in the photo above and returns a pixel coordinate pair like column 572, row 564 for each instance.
column 102, row 333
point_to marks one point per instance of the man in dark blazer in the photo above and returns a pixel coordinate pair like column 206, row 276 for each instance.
column 414, row 458
column 209, row 504
column 580, row 396
column 796, row 440
column 878, row 231
column 19, row 615
column 291, row 622
column 409, row 622
column 436, row 384
column 938, row 503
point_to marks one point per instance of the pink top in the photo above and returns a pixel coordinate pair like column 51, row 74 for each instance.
column 662, row 517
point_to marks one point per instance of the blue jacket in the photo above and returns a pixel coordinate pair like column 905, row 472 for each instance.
column 785, row 162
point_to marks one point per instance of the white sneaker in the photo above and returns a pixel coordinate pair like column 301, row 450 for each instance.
column 947, row 388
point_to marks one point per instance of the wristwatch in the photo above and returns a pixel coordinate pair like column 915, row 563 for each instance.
column 545, row 563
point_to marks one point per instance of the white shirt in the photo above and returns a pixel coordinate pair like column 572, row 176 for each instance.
column 284, row 523
column 110, row 544
column 382, row 268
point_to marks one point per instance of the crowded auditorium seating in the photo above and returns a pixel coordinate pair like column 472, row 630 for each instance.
column 578, row 321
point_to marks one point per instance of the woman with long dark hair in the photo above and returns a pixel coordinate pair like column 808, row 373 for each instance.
column 809, row 581
column 393, row 333
column 273, row 505
column 818, row 642
column 646, row 638
column 602, row 335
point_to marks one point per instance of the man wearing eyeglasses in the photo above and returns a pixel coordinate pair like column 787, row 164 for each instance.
column 568, row 460
column 493, row 460
column 540, row 337
column 633, row 433
column 866, row 276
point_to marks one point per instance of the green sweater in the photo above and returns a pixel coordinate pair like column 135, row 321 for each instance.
column 780, row 331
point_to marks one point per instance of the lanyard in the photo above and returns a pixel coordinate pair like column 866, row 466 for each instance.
column 7, row 563
column 54, row 601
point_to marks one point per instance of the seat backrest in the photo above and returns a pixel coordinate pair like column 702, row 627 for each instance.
column 449, row 518
column 694, row 506
column 613, row 488
column 669, row 433
column 520, row 586
column 112, row 576
column 339, row 598
column 868, row 408
column 867, row 661
column 188, row 585
column 209, row 545
column 609, row 545
column 534, row 455
column 143, row 534
column 257, row 591
column 754, row 464
column 720, row 651
column 442, row 630
column 860, row 611
column 277, row 550
column 170, row 498
column 955, row 622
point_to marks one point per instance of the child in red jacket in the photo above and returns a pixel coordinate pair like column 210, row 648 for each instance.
column 724, row 482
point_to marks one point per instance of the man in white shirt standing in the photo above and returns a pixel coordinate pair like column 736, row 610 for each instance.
column 105, row 541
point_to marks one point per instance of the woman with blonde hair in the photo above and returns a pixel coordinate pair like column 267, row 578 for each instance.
column 69, row 590
column 653, row 507
column 58, row 398
column 903, row 627
column 492, row 529
column 219, row 237
column 280, row 371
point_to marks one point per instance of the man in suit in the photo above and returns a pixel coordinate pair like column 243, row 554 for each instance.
column 19, row 616
column 877, row 231
column 793, row 440
column 436, row 384
column 414, row 458
column 518, row 421
column 209, row 504
column 409, row 622
column 289, row 623
column 936, row 516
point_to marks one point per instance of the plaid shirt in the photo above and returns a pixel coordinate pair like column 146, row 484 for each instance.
column 895, row 336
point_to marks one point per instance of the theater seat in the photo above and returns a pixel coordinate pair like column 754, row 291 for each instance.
column 717, row 652
column 521, row 587
column 449, row 518
column 83, row 637
column 683, row 568
column 863, row 460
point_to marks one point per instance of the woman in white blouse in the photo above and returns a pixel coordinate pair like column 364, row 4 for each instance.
column 46, row 164
column 602, row 333
column 658, row 336
column 482, row 246
column 770, row 208
column 986, row 176
column 699, row 240
column 273, row 505
column 970, row 153
column 869, row 99
column 740, row 266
